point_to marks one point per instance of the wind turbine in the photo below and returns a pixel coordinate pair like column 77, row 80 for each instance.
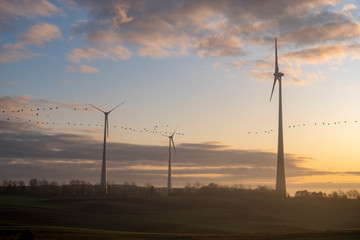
column 171, row 141
column 103, row 181
column 280, row 172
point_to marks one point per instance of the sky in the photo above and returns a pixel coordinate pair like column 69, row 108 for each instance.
column 204, row 68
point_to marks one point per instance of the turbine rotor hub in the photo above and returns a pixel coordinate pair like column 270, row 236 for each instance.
column 278, row 74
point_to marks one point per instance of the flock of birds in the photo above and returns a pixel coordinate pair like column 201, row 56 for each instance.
column 303, row 125
column 37, row 112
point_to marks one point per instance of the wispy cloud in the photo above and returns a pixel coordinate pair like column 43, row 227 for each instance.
column 349, row 7
column 8, row 83
column 89, row 54
column 82, row 69
column 237, row 64
column 216, row 65
column 322, row 54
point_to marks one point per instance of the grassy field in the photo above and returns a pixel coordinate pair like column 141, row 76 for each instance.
column 60, row 233
column 180, row 217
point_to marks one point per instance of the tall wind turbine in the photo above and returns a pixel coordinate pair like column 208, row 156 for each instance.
column 280, row 172
column 103, row 181
column 171, row 142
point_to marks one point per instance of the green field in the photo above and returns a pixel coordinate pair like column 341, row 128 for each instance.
column 180, row 217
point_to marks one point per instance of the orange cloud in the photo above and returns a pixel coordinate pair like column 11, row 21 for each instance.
column 82, row 69
column 263, row 64
column 292, row 76
column 349, row 7
column 39, row 34
column 238, row 64
column 322, row 54
column 219, row 45
column 104, row 52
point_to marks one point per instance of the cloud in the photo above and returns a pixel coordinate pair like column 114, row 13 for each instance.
column 155, row 52
column 37, row 35
column 64, row 157
column 165, row 28
column 113, row 53
column 82, row 69
column 349, row 7
column 10, row 10
column 333, row 31
column 263, row 64
column 28, row 9
column 120, row 17
column 216, row 64
column 238, row 64
column 8, row 83
column 218, row 45
column 322, row 54
column 16, row 55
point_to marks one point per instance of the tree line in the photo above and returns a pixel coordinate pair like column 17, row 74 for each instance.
column 261, row 191
column 80, row 188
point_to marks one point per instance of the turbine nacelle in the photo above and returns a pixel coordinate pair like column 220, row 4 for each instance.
column 171, row 139
column 278, row 75
column 106, row 116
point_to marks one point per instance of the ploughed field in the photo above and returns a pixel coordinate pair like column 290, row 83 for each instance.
column 180, row 217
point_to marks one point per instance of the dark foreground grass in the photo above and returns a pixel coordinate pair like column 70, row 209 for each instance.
column 60, row 233
column 180, row 217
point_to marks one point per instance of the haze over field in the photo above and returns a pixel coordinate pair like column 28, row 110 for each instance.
column 205, row 66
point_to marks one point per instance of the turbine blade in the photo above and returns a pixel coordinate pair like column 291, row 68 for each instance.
column 273, row 88
column 175, row 131
column 172, row 140
column 116, row 106
column 276, row 58
column 97, row 108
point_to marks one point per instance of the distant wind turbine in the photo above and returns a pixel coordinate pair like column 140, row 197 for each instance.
column 280, row 172
column 171, row 142
column 103, row 181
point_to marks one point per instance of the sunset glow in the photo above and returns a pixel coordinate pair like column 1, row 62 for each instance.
column 205, row 67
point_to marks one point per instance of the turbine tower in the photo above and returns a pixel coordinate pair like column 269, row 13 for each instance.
column 103, row 181
column 171, row 141
column 280, row 172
